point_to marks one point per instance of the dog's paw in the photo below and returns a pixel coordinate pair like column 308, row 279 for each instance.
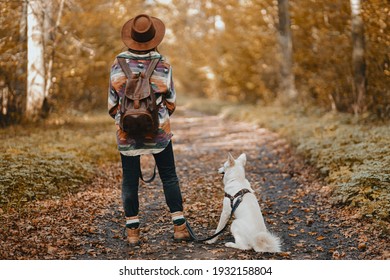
column 231, row 244
column 211, row 241
column 237, row 246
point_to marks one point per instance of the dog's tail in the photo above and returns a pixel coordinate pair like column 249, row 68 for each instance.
column 267, row 242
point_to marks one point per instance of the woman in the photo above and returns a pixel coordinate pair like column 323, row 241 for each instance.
column 142, row 34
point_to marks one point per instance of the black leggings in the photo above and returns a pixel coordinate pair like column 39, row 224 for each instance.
column 166, row 167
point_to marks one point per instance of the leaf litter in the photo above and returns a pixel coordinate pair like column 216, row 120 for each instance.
column 89, row 224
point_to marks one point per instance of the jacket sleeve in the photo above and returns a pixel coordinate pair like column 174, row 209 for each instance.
column 170, row 98
column 113, row 97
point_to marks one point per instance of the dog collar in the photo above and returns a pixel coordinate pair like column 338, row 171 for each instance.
column 238, row 194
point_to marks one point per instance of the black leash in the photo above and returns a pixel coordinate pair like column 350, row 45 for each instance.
column 239, row 199
column 153, row 176
column 234, row 206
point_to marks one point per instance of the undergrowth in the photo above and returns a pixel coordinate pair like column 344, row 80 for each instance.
column 53, row 158
column 352, row 153
column 60, row 155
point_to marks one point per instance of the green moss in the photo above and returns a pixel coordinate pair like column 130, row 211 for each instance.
column 53, row 158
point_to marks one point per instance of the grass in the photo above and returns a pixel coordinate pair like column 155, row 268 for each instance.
column 53, row 158
column 353, row 154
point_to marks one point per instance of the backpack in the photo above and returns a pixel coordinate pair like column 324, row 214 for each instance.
column 139, row 111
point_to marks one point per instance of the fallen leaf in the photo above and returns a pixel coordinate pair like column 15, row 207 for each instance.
column 362, row 246
column 51, row 250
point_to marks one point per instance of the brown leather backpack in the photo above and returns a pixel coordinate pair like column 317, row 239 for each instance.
column 139, row 111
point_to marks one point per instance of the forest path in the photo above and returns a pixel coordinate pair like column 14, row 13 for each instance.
column 293, row 202
column 295, row 205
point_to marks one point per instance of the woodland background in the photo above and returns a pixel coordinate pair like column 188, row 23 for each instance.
column 317, row 72
column 225, row 49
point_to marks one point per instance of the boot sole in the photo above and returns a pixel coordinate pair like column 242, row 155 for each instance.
column 183, row 239
column 134, row 244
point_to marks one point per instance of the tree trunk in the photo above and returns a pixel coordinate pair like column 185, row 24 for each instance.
column 287, row 76
column 358, row 60
column 13, row 74
column 55, row 41
column 35, row 60
column 21, row 70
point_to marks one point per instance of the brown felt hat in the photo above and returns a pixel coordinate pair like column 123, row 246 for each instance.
column 143, row 32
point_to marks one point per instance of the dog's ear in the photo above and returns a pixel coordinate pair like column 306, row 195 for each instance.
column 242, row 159
column 231, row 160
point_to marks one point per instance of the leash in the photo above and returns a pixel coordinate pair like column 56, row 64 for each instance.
column 234, row 207
column 153, row 176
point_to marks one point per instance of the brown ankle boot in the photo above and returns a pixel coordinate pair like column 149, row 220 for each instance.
column 133, row 236
column 180, row 233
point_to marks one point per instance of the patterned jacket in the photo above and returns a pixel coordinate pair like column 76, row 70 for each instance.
column 162, row 85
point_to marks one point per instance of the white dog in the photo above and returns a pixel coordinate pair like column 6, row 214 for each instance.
column 248, row 227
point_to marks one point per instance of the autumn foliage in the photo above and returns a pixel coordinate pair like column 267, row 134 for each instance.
column 227, row 60
column 225, row 49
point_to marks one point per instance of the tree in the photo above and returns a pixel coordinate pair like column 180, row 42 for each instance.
column 358, row 60
column 13, row 22
column 55, row 41
column 287, row 74
column 35, row 60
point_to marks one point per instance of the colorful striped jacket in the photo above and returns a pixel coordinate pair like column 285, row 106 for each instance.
column 162, row 85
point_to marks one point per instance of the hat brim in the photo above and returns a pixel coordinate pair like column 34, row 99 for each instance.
column 143, row 46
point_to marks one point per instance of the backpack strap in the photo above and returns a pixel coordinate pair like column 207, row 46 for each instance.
column 145, row 75
column 125, row 67
column 148, row 72
column 151, row 67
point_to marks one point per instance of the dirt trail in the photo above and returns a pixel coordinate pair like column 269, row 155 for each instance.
column 294, row 202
